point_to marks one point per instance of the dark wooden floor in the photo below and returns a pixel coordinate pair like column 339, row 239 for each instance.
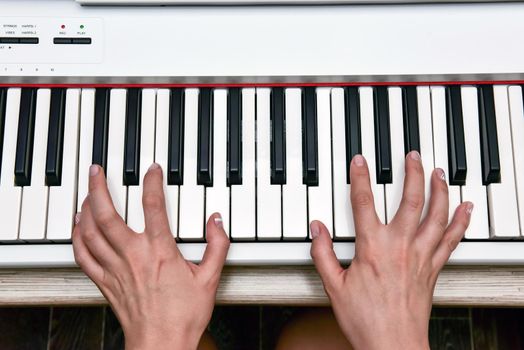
column 242, row 327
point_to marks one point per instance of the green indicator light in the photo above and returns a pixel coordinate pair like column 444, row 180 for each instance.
column 82, row 26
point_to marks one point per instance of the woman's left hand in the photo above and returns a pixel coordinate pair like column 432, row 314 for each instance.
column 161, row 300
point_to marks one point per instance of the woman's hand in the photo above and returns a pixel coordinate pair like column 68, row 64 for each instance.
column 383, row 300
column 161, row 300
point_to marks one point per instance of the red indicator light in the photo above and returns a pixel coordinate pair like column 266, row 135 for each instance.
column 62, row 26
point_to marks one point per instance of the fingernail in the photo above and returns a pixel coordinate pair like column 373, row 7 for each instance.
column 441, row 174
column 469, row 208
column 314, row 230
column 93, row 170
column 453, row 244
column 154, row 166
column 218, row 221
column 414, row 155
column 77, row 218
column 358, row 160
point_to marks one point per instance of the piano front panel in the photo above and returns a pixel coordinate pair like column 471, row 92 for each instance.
column 257, row 112
column 329, row 44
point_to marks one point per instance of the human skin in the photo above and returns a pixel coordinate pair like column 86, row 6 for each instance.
column 383, row 299
column 161, row 300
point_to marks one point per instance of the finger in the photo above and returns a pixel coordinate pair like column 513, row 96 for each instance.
column 408, row 215
column 77, row 218
column 362, row 201
column 84, row 259
column 107, row 219
column 323, row 255
column 94, row 240
column 154, row 203
column 217, row 247
column 453, row 234
column 436, row 222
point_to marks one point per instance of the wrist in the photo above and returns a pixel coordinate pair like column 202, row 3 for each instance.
column 401, row 338
column 393, row 344
column 154, row 340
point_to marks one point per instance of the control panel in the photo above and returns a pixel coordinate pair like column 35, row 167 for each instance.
column 34, row 41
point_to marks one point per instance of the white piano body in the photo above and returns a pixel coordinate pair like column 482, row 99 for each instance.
column 261, row 46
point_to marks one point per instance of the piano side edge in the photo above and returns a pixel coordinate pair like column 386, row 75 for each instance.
column 268, row 285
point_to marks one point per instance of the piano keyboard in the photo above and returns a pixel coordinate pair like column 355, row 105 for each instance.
column 269, row 159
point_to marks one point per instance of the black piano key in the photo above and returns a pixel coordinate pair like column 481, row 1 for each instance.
column 353, row 136
column 382, row 135
column 101, row 126
column 522, row 89
column 205, row 137
column 410, row 111
column 278, row 137
column 55, row 138
column 176, row 138
column 25, row 138
column 456, row 141
column 309, row 137
column 234, row 144
column 489, row 145
column 3, row 103
column 132, row 137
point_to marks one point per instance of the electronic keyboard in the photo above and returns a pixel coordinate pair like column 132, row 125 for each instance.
column 256, row 113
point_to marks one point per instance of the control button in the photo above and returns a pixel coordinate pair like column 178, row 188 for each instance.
column 82, row 41
column 28, row 40
column 9, row 40
column 61, row 41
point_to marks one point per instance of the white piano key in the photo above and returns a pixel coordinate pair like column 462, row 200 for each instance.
column 368, row 148
column 34, row 197
column 243, row 212
column 10, row 195
column 115, row 150
column 502, row 197
column 474, row 190
column 191, row 206
column 294, row 192
column 320, row 197
column 62, row 199
column 135, row 213
column 161, row 156
column 517, row 136
column 426, row 140
column 85, row 153
column 394, row 189
column 269, row 205
column 342, row 212
column 217, row 196
column 440, row 143
column 516, row 110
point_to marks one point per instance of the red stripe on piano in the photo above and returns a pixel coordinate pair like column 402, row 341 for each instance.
column 384, row 83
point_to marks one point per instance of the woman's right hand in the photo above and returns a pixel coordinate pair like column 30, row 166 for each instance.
column 383, row 299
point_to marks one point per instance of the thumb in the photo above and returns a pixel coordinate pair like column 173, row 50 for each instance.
column 217, row 247
column 323, row 255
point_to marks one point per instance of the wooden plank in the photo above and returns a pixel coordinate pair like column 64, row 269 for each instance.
column 484, row 328
column 76, row 328
column 236, row 327
column 450, row 328
column 449, row 333
column 24, row 328
column 113, row 333
column 497, row 329
column 289, row 285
